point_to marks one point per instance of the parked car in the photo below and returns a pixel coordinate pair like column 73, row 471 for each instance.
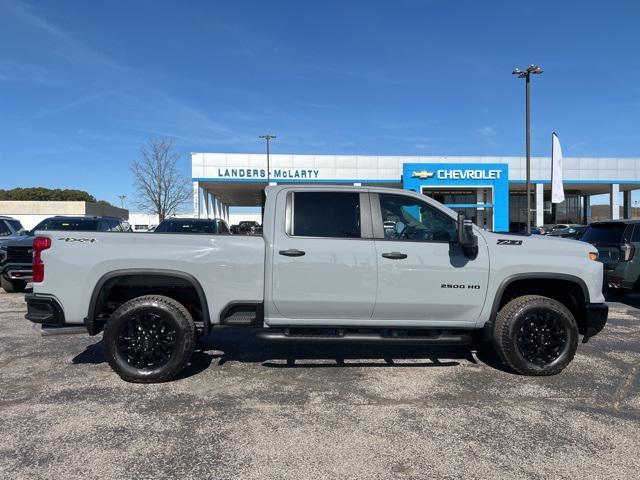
column 617, row 241
column 326, row 271
column 247, row 227
column 566, row 230
column 16, row 250
column 9, row 226
column 192, row 225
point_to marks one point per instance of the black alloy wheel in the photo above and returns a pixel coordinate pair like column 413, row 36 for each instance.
column 542, row 338
column 147, row 340
column 535, row 335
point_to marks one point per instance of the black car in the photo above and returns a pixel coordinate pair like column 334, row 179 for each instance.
column 16, row 250
column 247, row 227
column 192, row 225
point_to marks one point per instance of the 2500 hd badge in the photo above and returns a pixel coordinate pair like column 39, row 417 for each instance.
column 460, row 286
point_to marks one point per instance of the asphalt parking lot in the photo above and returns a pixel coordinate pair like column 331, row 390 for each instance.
column 248, row 410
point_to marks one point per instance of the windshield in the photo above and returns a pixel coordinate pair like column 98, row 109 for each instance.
column 604, row 233
column 15, row 224
column 69, row 224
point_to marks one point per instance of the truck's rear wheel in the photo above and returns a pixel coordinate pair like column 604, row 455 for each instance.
column 536, row 335
column 12, row 286
column 149, row 339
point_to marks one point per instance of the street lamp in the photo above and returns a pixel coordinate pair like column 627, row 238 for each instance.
column 267, row 138
column 526, row 74
column 122, row 197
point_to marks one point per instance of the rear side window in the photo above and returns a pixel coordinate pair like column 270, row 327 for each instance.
column 636, row 234
column 326, row 214
column 605, row 233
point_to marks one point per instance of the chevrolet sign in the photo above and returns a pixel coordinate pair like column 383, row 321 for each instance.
column 457, row 174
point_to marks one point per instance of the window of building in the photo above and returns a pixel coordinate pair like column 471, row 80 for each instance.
column 326, row 214
column 406, row 218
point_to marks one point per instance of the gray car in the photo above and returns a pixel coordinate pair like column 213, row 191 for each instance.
column 617, row 242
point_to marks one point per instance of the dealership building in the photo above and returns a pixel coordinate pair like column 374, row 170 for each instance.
column 490, row 190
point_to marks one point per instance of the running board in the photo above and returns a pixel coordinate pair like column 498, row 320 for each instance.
column 289, row 335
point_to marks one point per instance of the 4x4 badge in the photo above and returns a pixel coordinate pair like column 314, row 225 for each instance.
column 80, row 240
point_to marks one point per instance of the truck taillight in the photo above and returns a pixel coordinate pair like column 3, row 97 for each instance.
column 627, row 251
column 39, row 244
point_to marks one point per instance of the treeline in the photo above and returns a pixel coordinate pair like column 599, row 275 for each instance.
column 49, row 194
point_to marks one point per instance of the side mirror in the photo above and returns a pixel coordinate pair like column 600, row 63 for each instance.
column 466, row 238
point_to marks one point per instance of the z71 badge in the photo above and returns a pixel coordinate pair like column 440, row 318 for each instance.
column 503, row 241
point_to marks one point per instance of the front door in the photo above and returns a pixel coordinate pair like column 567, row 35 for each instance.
column 324, row 263
column 423, row 274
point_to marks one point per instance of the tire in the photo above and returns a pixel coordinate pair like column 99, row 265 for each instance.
column 149, row 339
column 13, row 286
column 536, row 335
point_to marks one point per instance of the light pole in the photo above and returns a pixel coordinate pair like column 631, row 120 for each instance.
column 122, row 197
column 526, row 74
column 267, row 138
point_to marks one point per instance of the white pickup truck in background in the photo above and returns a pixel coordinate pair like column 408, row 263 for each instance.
column 334, row 264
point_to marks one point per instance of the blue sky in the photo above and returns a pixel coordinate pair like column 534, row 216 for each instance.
column 83, row 84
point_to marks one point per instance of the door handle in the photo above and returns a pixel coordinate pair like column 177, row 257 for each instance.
column 395, row 255
column 292, row 252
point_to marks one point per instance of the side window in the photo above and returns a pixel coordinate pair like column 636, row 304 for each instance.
column 326, row 214
column 4, row 228
column 636, row 234
column 405, row 218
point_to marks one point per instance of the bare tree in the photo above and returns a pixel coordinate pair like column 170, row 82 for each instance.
column 160, row 187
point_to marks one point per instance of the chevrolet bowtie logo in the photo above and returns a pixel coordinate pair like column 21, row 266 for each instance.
column 422, row 174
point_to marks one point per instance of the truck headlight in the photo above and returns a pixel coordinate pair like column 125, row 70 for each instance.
column 593, row 256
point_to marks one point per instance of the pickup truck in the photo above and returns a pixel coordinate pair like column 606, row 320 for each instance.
column 334, row 264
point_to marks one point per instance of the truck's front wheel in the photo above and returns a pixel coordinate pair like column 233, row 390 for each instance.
column 536, row 335
column 149, row 339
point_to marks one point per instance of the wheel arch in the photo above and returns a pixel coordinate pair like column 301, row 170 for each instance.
column 542, row 283
column 97, row 294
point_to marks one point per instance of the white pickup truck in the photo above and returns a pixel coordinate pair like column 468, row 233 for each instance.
column 334, row 264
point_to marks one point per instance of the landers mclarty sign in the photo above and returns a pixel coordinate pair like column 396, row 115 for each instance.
column 276, row 173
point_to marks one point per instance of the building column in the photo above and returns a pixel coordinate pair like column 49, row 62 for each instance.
column 196, row 199
column 614, row 201
column 626, row 204
column 539, row 204
column 204, row 212
column 226, row 213
column 586, row 209
column 480, row 211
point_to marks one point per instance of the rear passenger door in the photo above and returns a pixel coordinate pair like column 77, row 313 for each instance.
column 324, row 261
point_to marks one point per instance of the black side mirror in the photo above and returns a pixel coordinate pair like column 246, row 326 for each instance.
column 466, row 238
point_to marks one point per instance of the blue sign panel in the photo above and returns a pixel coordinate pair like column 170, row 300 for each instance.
column 460, row 175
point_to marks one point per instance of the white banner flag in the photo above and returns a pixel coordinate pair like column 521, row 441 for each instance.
column 557, row 189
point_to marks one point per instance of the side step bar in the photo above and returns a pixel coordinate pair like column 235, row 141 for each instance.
column 287, row 335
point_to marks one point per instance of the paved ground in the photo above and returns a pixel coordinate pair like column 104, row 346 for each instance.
column 251, row 411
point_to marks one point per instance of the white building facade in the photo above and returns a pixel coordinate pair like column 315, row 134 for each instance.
column 490, row 190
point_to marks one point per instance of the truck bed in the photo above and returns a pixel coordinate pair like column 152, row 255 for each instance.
column 77, row 261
